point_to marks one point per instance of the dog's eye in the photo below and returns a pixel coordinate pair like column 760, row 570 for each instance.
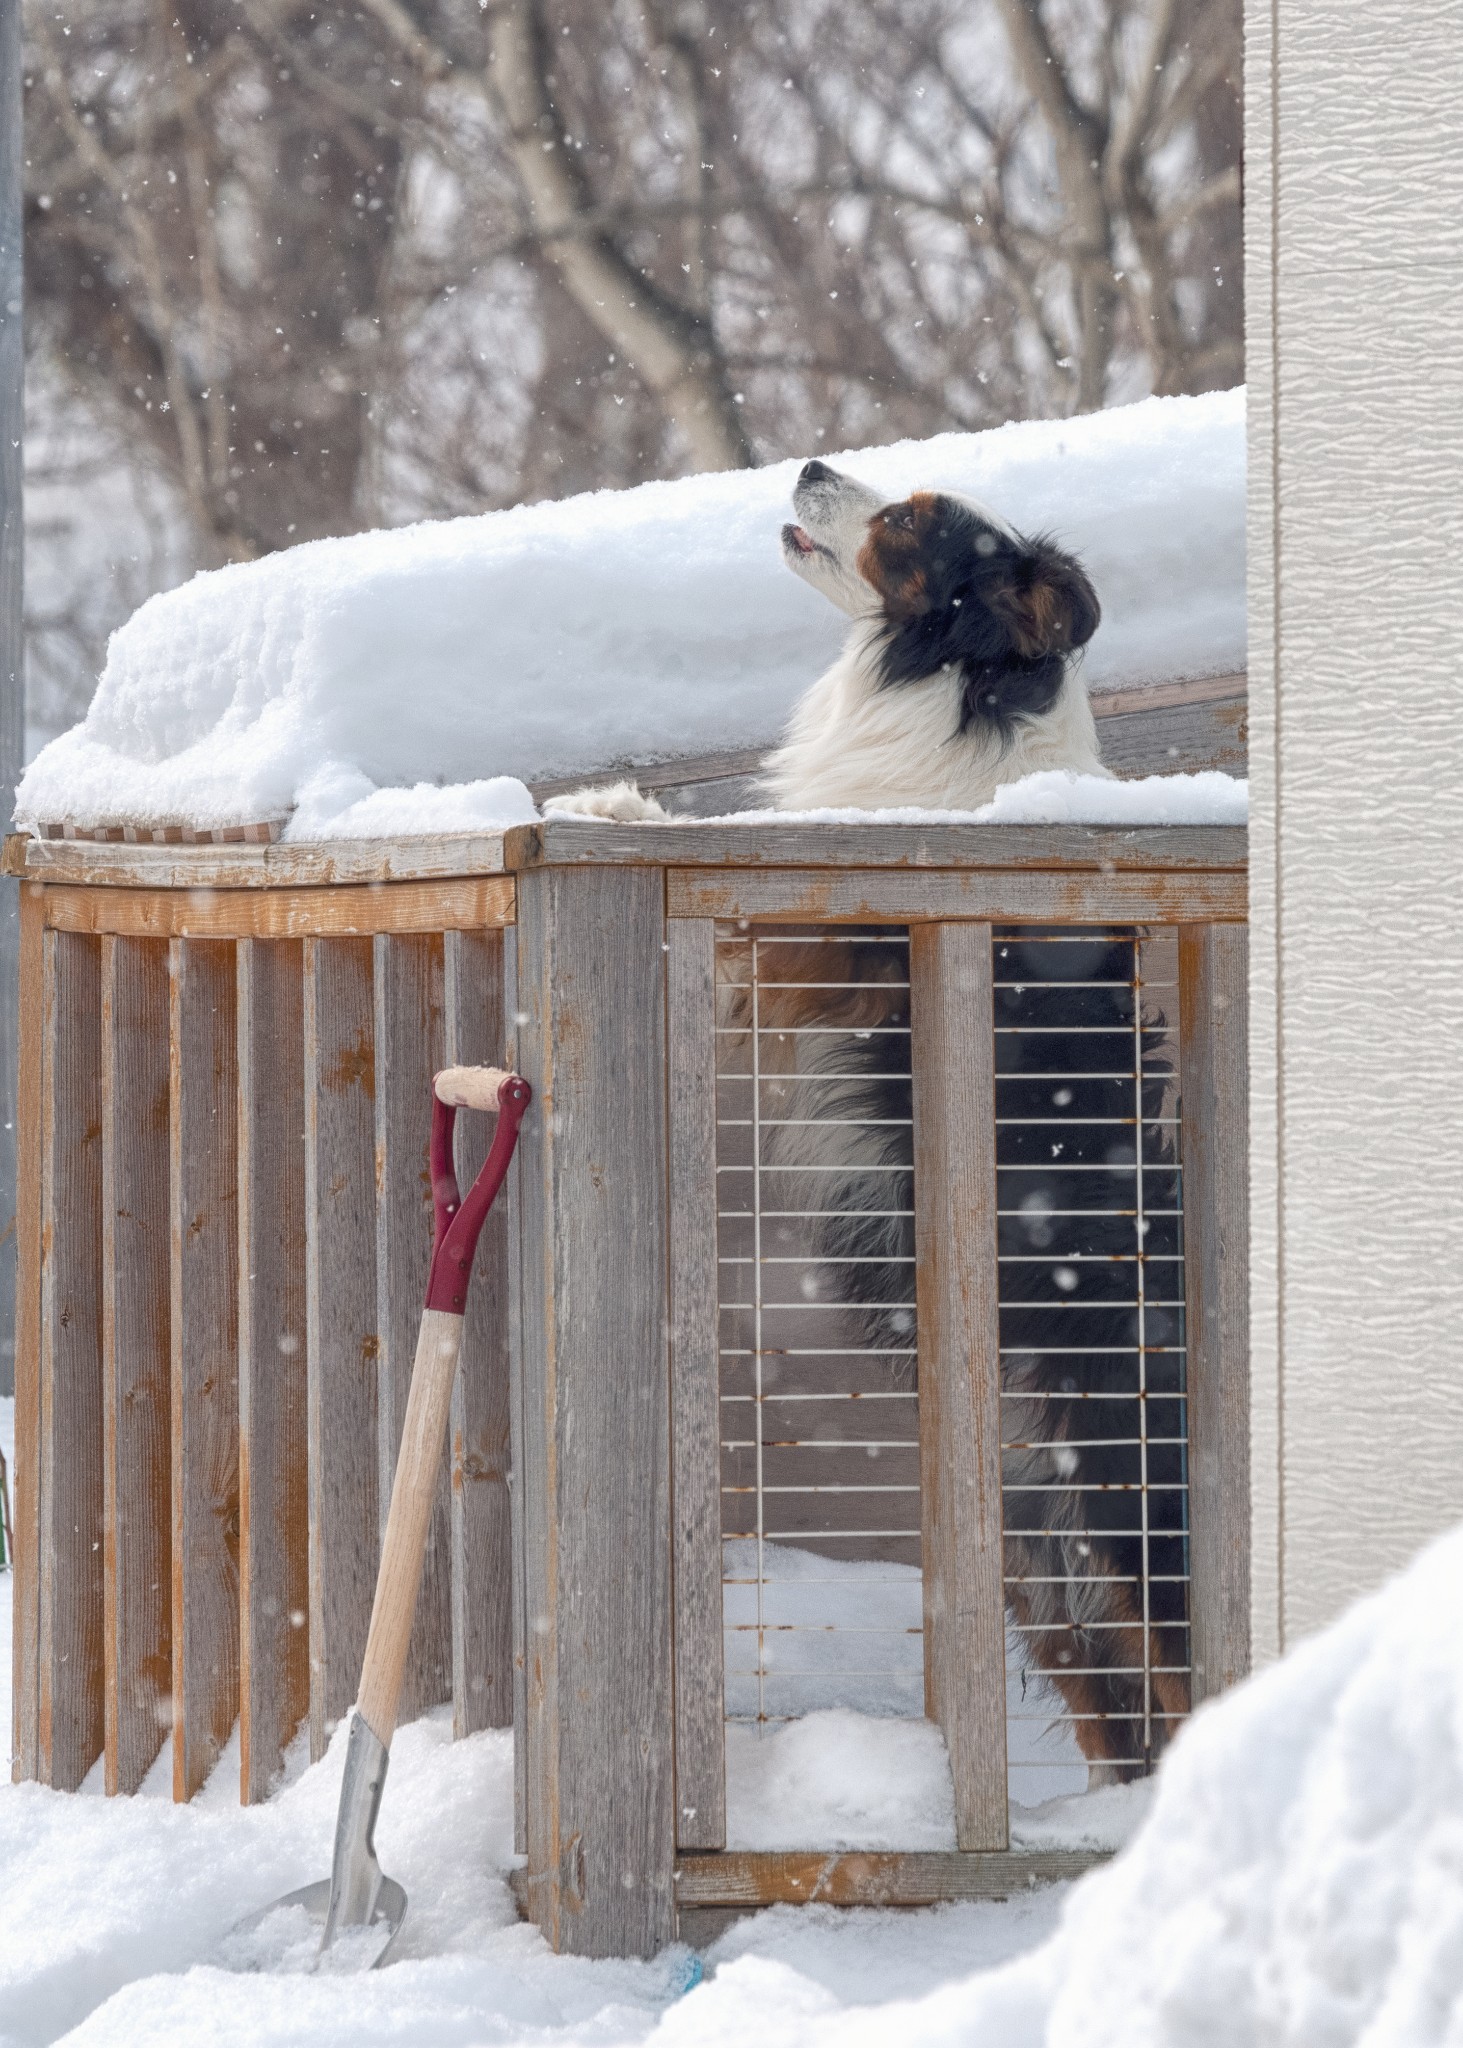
column 900, row 517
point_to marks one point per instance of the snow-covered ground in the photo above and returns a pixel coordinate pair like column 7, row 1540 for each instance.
column 401, row 680
column 1298, row 1883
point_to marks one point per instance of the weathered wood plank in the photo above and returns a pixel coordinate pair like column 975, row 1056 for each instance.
column 274, row 1664
column 695, row 1387
column 71, row 1706
column 428, row 858
column 481, row 1539
column 25, row 1477
column 411, row 1046
column 347, row 909
column 1214, row 1075
column 136, row 1356
column 1097, row 849
column 1185, row 739
column 341, row 1340
column 876, row 1878
column 592, row 1471
column 1176, row 695
column 953, row 1052
column 870, row 897
column 204, row 1269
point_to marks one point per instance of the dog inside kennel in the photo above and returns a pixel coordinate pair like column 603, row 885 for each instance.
column 823, row 1598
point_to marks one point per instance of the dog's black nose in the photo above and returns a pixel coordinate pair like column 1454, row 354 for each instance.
column 816, row 472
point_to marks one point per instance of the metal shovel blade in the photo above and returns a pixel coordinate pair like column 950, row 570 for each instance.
column 346, row 1922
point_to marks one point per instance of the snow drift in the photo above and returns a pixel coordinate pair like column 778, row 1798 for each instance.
column 1298, row 1884
column 625, row 625
column 1299, row 1879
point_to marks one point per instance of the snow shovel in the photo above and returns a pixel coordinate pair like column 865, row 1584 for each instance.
column 358, row 1909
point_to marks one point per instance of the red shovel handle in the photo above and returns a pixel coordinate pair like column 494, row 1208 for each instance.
column 458, row 1223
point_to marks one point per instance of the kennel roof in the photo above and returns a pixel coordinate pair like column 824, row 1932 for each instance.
column 407, row 679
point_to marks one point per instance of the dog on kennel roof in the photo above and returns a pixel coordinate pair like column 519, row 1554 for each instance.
column 958, row 675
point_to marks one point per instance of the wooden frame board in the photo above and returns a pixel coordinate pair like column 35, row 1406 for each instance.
column 695, row 1386
column 347, row 910
column 326, row 865
column 989, row 897
column 860, row 848
column 882, row 1877
column 1214, row 1065
column 593, row 1452
column 957, row 1290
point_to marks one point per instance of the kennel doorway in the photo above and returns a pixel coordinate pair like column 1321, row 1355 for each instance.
column 823, row 1587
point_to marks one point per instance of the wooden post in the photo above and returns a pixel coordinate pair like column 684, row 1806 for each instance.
column 482, row 1602
column 410, row 1047
column 205, row 1336
column 695, row 1387
column 136, row 1356
column 340, row 1319
column 25, row 1478
column 71, row 1716
column 1213, row 1071
column 274, row 1649
column 953, row 1053
column 518, row 1248
column 592, row 1471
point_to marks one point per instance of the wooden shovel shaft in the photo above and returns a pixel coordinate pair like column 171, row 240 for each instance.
column 409, row 1520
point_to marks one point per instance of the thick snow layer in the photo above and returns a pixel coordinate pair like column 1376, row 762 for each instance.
column 1298, row 1883
column 632, row 625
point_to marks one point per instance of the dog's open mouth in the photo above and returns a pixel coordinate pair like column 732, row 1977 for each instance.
column 801, row 543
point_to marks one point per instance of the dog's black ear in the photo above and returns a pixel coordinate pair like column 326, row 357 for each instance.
column 1047, row 604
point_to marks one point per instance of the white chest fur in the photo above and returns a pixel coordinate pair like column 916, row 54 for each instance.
column 853, row 746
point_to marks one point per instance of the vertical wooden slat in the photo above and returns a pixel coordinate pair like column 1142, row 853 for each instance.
column 952, row 1048
column 695, row 1386
column 482, row 1604
column 136, row 1356
column 591, row 1474
column 274, row 1643
column 410, row 1047
column 71, row 1710
column 516, row 1250
column 1213, row 1067
column 25, row 1489
column 340, row 1319
column 205, row 1385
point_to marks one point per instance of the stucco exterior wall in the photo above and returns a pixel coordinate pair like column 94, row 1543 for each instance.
column 1355, row 304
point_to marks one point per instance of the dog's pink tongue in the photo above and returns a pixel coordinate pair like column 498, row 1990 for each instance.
column 800, row 540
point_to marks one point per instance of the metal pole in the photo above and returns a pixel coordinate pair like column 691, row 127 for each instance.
column 12, row 678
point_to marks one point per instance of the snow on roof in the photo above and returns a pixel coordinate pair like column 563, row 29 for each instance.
column 622, row 625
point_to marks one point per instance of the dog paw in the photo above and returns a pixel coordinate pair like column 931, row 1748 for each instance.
column 621, row 801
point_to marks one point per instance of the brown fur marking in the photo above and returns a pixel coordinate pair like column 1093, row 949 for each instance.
column 889, row 559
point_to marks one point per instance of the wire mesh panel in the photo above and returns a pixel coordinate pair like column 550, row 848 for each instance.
column 1094, row 1404
column 819, row 1397
column 820, row 1422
